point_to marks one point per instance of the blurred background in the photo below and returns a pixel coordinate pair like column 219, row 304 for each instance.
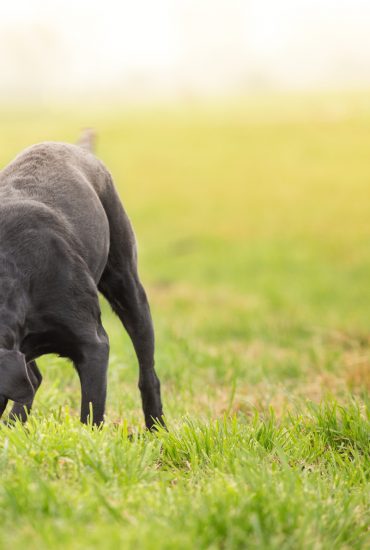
column 165, row 50
column 238, row 135
column 180, row 49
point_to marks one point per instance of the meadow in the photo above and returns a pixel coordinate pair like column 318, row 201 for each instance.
column 253, row 224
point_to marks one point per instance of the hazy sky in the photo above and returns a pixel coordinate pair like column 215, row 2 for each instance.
column 148, row 48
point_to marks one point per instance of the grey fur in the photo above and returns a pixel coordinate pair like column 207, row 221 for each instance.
column 64, row 235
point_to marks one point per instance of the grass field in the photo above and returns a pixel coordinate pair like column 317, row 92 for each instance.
column 253, row 222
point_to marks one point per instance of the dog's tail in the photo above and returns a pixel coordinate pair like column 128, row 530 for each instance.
column 87, row 140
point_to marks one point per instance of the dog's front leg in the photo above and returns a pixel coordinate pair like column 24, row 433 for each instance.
column 92, row 369
column 21, row 411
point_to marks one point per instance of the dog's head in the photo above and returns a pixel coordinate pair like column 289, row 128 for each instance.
column 14, row 380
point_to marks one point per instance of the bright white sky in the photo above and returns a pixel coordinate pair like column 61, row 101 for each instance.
column 163, row 48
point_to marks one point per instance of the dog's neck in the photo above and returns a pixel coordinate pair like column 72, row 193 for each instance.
column 12, row 304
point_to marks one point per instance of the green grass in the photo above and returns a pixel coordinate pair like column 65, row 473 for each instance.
column 253, row 222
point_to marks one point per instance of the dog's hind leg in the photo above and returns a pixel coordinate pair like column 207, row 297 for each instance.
column 21, row 411
column 126, row 295
column 92, row 366
column 121, row 286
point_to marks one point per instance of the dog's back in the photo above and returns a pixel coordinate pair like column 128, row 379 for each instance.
column 58, row 184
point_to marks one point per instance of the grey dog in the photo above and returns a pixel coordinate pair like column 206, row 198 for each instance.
column 64, row 235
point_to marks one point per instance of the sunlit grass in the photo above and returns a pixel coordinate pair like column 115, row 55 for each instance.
column 253, row 222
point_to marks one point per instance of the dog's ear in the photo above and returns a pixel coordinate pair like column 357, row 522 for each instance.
column 14, row 380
